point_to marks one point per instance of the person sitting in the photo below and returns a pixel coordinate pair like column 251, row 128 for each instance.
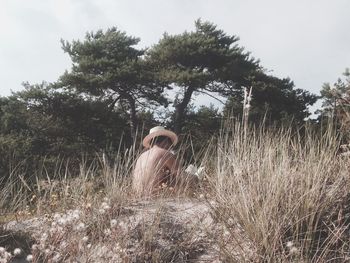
column 156, row 166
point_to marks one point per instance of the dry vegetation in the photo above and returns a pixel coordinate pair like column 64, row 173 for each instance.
column 282, row 198
column 266, row 197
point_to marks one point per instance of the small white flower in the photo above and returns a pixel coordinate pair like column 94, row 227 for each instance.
column 62, row 221
column 105, row 206
column 2, row 250
column 29, row 258
column 56, row 216
column 63, row 244
column 35, row 247
column 85, row 239
column 6, row 257
column 76, row 214
column 80, row 226
column 57, row 257
column 107, row 232
column 114, row 222
column 43, row 238
column 122, row 224
column 52, row 230
column 101, row 211
column 88, row 245
column 17, row 251
column 103, row 250
column 106, row 199
column 118, row 248
column 226, row 233
column 68, row 219
column 293, row 251
column 289, row 244
column 76, row 211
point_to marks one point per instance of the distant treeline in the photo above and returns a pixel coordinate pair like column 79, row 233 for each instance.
column 115, row 89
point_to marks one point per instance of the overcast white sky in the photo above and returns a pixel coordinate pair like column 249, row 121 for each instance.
column 306, row 40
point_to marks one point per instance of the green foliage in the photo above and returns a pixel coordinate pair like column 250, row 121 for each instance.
column 42, row 122
column 72, row 122
column 206, row 60
column 336, row 103
column 338, row 95
column 274, row 100
column 107, row 66
column 196, row 59
column 16, row 140
column 203, row 122
column 201, row 126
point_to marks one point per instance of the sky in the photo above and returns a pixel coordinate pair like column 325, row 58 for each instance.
column 306, row 40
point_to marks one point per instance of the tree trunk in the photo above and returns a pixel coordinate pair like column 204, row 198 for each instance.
column 133, row 121
column 180, row 109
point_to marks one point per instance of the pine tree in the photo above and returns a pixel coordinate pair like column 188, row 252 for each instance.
column 203, row 61
column 108, row 65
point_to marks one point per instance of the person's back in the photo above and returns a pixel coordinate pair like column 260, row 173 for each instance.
column 157, row 165
column 153, row 168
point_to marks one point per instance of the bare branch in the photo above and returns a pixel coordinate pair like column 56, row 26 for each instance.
column 206, row 93
column 111, row 106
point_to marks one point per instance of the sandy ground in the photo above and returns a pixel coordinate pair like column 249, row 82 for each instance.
column 183, row 219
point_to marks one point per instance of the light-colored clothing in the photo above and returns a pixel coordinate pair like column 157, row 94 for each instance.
column 153, row 168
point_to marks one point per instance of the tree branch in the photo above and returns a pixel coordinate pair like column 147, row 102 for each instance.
column 206, row 93
column 111, row 106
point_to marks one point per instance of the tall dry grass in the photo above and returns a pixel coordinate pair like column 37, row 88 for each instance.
column 86, row 214
column 26, row 195
column 279, row 197
column 282, row 197
column 59, row 187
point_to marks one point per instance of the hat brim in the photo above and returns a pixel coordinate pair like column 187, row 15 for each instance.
column 172, row 136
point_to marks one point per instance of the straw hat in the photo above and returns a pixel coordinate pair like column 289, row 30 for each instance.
column 159, row 131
